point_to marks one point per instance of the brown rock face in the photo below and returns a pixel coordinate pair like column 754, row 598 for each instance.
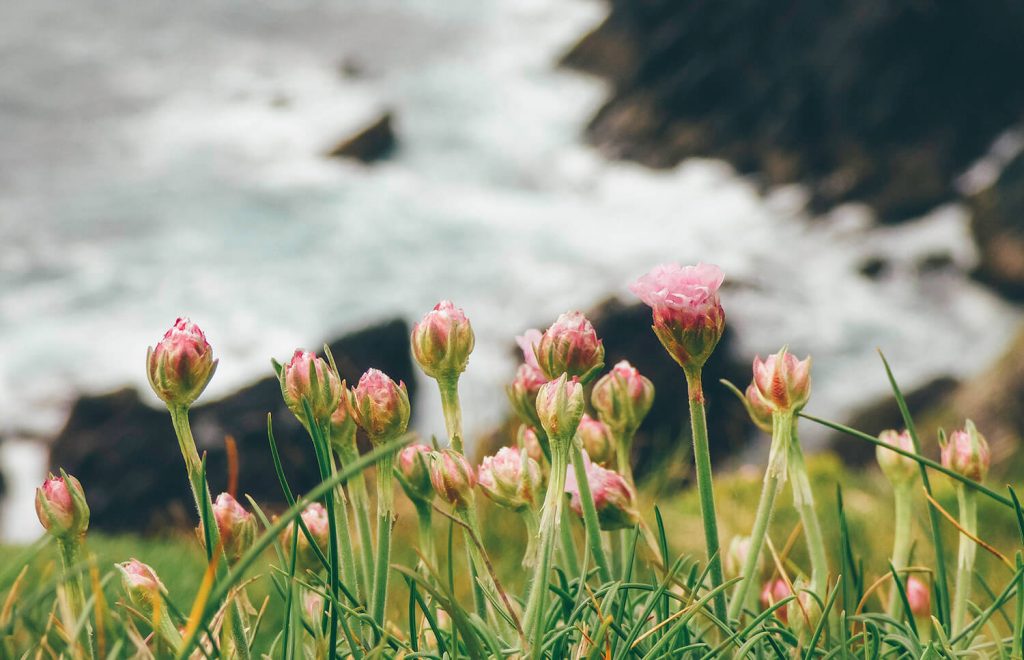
column 370, row 143
column 872, row 101
column 126, row 456
column 998, row 226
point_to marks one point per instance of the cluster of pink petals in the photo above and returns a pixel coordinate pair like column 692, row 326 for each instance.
column 614, row 499
column 685, row 288
column 140, row 578
column 966, row 452
column 509, row 478
column 783, row 380
column 380, row 405
column 442, row 341
column 570, row 346
column 181, row 364
column 452, row 476
column 297, row 385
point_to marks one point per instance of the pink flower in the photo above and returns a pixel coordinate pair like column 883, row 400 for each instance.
column 380, row 406
column 783, row 381
column 570, row 346
column 966, row 452
column 237, row 526
column 920, row 597
column 560, row 407
column 597, row 439
column 688, row 316
column 307, row 377
column 140, row 581
column 314, row 516
column 622, row 398
column 510, row 478
column 898, row 469
column 528, row 343
column 61, row 506
column 773, row 592
column 442, row 341
column 181, row 364
column 531, row 443
column 614, row 499
column 453, row 477
column 413, row 465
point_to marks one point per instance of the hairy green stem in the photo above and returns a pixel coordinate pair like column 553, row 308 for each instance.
column 71, row 577
column 570, row 559
column 967, row 499
column 385, row 519
column 532, row 523
column 803, row 501
column 902, row 535
column 360, row 501
column 624, row 455
column 424, row 523
column 349, row 572
column 774, row 476
column 452, row 411
column 550, row 521
column 590, row 521
column 705, row 487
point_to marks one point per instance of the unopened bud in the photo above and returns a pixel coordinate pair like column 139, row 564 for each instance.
column 560, row 407
column 966, row 452
column 380, row 406
column 414, row 468
column 309, row 378
column 453, row 477
column 898, row 469
column 783, row 381
column 597, row 440
column 181, row 365
column 510, row 478
column 442, row 341
column 61, row 506
column 622, row 398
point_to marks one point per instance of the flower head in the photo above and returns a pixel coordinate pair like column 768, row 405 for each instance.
column 141, row 582
column 597, row 439
column 560, row 407
column 898, row 469
column 61, row 506
column 920, row 597
column 380, row 406
column 453, row 477
column 622, row 398
column 966, row 452
column 314, row 517
column 687, row 312
column 614, row 499
column 237, row 526
column 309, row 378
column 773, row 592
column 442, row 341
column 510, row 478
column 413, row 466
column 342, row 426
column 783, row 381
column 570, row 346
column 181, row 364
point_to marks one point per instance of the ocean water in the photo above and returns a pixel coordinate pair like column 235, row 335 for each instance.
column 162, row 162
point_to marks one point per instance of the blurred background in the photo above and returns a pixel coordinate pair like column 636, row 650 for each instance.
column 294, row 173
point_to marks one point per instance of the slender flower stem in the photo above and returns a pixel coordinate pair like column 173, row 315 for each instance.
column 166, row 629
column 385, row 519
column 590, row 521
column 550, row 521
column 425, row 526
column 360, row 500
column 570, row 559
column 774, row 476
column 967, row 499
column 904, row 502
column 349, row 573
column 803, row 500
column 72, row 579
column 705, row 488
column 532, row 523
column 624, row 456
column 452, row 411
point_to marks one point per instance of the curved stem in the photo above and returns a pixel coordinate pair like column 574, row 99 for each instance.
column 452, row 411
column 803, row 500
column 902, row 532
column 705, row 487
column 550, row 521
column 774, row 476
column 967, row 499
column 590, row 521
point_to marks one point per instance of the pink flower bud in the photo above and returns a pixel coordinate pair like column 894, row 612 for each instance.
column 898, row 469
column 342, row 426
column 453, row 477
column 614, row 499
column 622, row 398
column 597, row 440
column 314, row 516
column 759, row 410
column 307, row 377
column 380, row 406
column 736, row 557
column 414, row 468
column 560, row 407
column 181, row 364
column 237, row 526
column 966, row 452
column 773, row 592
column 510, row 478
column 61, row 506
column 141, row 582
column 688, row 316
column 570, row 346
column 920, row 597
column 783, row 381
column 522, row 393
column 528, row 440
column 442, row 341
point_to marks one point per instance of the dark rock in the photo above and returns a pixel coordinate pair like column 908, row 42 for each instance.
column 872, row 101
column 126, row 456
column 935, row 262
column 370, row 143
column 874, row 267
column 998, row 226
column 884, row 414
